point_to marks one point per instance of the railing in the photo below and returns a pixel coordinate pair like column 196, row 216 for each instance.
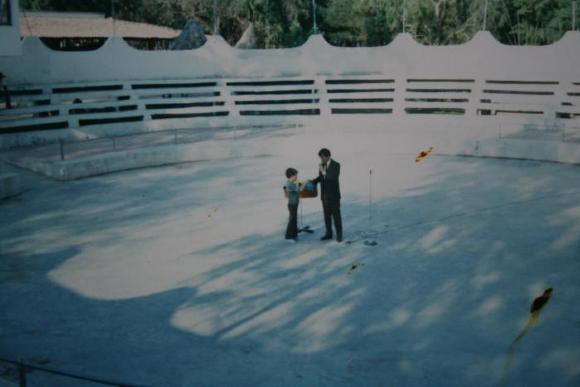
column 168, row 104
column 23, row 368
column 66, row 149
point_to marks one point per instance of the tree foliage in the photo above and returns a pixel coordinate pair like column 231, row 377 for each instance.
column 288, row 23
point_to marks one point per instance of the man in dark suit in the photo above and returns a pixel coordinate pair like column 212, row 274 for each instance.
column 328, row 175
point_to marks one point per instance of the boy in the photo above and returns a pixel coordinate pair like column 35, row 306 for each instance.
column 292, row 188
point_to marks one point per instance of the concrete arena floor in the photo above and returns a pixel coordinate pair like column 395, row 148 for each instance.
column 179, row 276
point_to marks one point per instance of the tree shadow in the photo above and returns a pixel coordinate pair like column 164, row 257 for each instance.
column 460, row 256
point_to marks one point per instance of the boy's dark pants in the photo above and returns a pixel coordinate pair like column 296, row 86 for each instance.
column 292, row 229
column 332, row 212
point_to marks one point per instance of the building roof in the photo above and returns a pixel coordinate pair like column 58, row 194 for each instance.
column 89, row 25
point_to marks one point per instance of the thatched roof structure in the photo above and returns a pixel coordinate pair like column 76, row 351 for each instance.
column 87, row 25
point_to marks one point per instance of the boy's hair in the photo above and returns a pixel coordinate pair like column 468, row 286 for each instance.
column 324, row 152
column 291, row 172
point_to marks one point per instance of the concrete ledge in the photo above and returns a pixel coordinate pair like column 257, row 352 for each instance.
column 36, row 138
column 448, row 137
column 9, row 185
column 552, row 151
column 140, row 158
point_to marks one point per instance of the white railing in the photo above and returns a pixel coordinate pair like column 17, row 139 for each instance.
column 159, row 104
column 119, row 90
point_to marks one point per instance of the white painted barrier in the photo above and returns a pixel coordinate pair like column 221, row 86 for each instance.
column 100, row 164
column 118, row 90
column 86, row 110
column 550, row 151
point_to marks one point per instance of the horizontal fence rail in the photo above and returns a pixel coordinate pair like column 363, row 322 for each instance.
column 23, row 368
column 133, row 104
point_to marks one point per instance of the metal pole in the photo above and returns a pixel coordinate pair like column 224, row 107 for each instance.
column 574, row 15
column 215, row 18
column 113, row 17
column 21, row 375
column 564, row 134
column 61, row 143
column 370, row 198
column 485, row 15
column 314, row 24
column 404, row 16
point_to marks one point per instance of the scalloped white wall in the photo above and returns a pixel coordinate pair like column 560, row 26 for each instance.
column 481, row 58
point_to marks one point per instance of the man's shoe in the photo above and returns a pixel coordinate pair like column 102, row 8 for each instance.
column 339, row 239
column 326, row 237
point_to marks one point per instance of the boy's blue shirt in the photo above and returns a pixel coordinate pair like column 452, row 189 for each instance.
column 293, row 192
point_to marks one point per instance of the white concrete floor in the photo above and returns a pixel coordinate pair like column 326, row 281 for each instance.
column 179, row 276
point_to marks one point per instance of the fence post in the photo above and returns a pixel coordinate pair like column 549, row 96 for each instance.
column 400, row 86
column 564, row 133
column 322, row 94
column 61, row 145
column 21, row 375
column 227, row 98
column 475, row 104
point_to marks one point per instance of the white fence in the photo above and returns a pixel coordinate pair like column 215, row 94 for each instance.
column 117, row 89
column 166, row 103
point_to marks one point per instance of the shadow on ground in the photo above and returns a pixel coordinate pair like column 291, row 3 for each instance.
column 124, row 277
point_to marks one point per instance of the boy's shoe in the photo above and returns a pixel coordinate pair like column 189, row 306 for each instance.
column 326, row 237
column 339, row 240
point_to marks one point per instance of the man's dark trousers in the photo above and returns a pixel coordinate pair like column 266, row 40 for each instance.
column 292, row 228
column 332, row 212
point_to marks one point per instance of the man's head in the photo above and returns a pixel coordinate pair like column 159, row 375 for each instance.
column 324, row 155
column 291, row 174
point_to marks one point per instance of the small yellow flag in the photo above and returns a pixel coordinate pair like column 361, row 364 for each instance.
column 423, row 154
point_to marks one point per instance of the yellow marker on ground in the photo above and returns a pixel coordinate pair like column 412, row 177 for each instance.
column 354, row 267
column 423, row 154
column 535, row 310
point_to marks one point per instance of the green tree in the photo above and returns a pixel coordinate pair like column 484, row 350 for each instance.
column 288, row 23
column 531, row 22
column 280, row 23
column 439, row 22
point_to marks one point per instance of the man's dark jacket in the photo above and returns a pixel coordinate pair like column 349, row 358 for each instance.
column 329, row 185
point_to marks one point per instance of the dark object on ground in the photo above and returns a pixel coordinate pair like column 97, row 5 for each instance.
column 190, row 38
column 539, row 302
